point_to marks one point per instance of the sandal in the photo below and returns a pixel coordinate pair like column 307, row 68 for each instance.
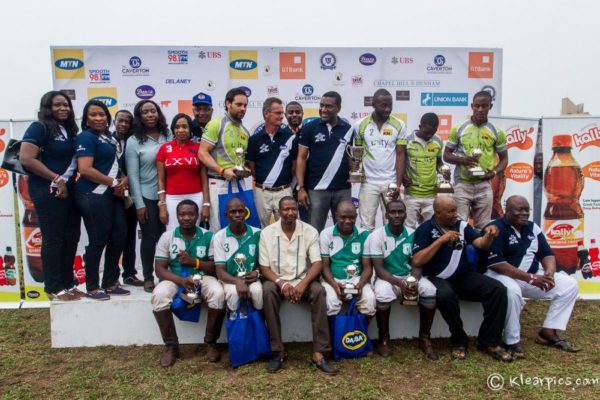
column 515, row 350
column 556, row 342
column 459, row 352
column 497, row 352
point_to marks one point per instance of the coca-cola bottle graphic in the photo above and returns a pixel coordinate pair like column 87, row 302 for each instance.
column 9, row 267
column 585, row 266
column 79, row 270
column 563, row 218
column 2, row 272
column 595, row 258
column 32, row 235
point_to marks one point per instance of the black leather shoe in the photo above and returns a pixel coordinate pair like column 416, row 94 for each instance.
column 324, row 366
column 275, row 363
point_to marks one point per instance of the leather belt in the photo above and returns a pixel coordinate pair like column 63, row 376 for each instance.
column 272, row 189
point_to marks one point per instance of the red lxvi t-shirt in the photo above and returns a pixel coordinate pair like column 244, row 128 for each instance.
column 182, row 167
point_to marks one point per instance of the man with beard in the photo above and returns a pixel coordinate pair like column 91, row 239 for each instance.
column 293, row 115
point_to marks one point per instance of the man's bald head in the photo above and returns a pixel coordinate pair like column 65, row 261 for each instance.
column 516, row 201
column 442, row 202
column 345, row 205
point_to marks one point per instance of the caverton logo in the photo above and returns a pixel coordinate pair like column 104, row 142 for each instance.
column 354, row 340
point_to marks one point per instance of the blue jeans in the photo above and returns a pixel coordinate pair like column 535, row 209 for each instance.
column 104, row 220
column 324, row 201
column 60, row 223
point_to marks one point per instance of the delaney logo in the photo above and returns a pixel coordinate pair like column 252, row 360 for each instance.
column 519, row 172
column 519, row 138
column 354, row 340
column 243, row 64
column 592, row 170
column 588, row 138
column 68, row 64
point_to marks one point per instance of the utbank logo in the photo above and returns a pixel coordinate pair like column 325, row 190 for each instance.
column 481, row 65
column 433, row 99
column 292, row 65
column 243, row 64
column 68, row 64
column 108, row 96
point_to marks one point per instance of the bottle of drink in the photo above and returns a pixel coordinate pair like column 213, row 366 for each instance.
column 563, row 218
column 585, row 265
column 32, row 235
column 595, row 258
column 79, row 270
column 2, row 272
column 9, row 267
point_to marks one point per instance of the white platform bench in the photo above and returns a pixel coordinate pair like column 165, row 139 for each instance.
column 128, row 321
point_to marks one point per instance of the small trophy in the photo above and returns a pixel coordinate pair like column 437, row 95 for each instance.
column 240, row 160
column 411, row 283
column 349, row 288
column 192, row 296
column 392, row 193
column 239, row 260
column 477, row 171
column 444, row 185
column 356, row 153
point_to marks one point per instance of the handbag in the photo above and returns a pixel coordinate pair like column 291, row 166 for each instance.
column 247, row 336
column 247, row 196
column 11, row 161
column 349, row 334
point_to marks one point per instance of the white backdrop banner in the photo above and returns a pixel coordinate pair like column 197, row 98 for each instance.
column 571, row 201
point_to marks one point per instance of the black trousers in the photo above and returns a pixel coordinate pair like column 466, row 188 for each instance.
column 477, row 288
column 60, row 223
column 152, row 228
column 130, row 241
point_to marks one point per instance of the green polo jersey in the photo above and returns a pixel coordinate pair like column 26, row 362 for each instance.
column 226, row 245
column 225, row 136
column 468, row 136
column 343, row 251
column 172, row 242
column 395, row 250
column 421, row 164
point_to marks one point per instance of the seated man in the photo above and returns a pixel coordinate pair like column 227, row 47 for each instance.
column 514, row 259
column 235, row 248
column 342, row 245
column 289, row 260
column 390, row 248
column 181, row 253
column 440, row 248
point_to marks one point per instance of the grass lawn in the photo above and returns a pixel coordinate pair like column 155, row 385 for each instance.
column 29, row 368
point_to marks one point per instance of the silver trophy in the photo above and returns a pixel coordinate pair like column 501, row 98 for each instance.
column 192, row 296
column 411, row 283
column 240, row 160
column 356, row 153
column 239, row 260
column 392, row 193
column 349, row 288
column 444, row 185
column 477, row 171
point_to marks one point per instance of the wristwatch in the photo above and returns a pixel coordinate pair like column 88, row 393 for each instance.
column 299, row 188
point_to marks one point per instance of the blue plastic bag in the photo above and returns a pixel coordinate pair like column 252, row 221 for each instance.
column 183, row 310
column 247, row 336
column 247, row 196
column 349, row 334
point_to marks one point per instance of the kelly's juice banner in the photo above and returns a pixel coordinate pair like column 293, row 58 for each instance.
column 9, row 274
column 571, row 200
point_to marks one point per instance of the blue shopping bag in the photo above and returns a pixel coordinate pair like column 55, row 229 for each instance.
column 247, row 336
column 183, row 310
column 349, row 334
column 247, row 196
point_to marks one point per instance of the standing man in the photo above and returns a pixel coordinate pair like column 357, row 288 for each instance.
column 272, row 157
column 293, row 115
column 343, row 244
column 423, row 160
column 384, row 139
column 473, row 194
column 240, row 278
column 440, row 249
column 291, row 264
column 217, row 150
column 181, row 253
column 514, row 259
column 327, row 168
column 390, row 249
column 203, row 110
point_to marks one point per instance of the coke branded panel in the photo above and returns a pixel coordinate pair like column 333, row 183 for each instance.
column 441, row 80
column 10, row 292
column 521, row 137
column 571, row 200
